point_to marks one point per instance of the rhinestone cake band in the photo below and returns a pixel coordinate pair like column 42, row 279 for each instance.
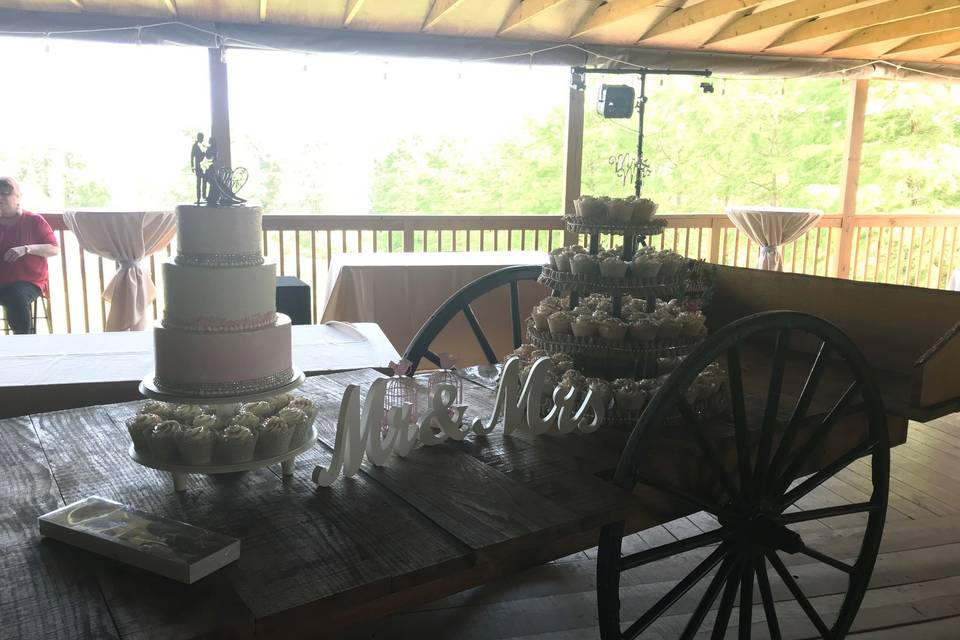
column 220, row 259
column 214, row 389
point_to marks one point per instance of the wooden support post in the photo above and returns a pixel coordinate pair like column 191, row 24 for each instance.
column 219, row 107
column 572, row 156
column 851, row 174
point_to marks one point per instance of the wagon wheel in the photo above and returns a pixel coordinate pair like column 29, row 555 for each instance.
column 749, row 485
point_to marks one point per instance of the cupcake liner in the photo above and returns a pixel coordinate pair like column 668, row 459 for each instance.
column 235, row 451
column 195, row 451
column 273, row 443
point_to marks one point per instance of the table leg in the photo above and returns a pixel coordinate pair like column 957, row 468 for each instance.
column 179, row 481
column 286, row 466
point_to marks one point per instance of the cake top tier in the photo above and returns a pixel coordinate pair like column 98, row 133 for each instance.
column 219, row 236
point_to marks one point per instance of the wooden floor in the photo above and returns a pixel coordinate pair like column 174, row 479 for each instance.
column 914, row 593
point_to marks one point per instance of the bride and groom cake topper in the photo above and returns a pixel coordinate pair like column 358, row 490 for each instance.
column 216, row 186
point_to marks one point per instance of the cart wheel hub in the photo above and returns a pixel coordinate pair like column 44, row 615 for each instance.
column 765, row 531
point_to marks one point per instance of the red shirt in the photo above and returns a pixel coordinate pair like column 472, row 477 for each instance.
column 30, row 228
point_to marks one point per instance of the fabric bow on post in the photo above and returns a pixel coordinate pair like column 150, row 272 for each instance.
column 126, row 238
column 771, row 228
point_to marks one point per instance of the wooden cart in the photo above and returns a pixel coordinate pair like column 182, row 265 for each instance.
column 834, row 379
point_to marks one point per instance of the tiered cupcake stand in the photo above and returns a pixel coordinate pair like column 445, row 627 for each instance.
column 595, row 356
column 179, row 471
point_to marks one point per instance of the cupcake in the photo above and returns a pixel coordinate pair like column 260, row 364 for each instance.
column 628, row 395
column 235, row 444
column 671, row 262
column 185, row 413
column 246, row 419
column 612, row 329
column 140, row 427
column 583, row 264
column 157, row 408
column 613, row 267
column 297, row 420
column 280, row 401
column 303, row 403
column 163, row 440
column 643, row 210
column 600, row 388
column 553, row 256
column 583, row 326
column 225, row 411
column 540, row 315
column 669, row 330
column 210, row 422
column 573, row 378
column 563, row 261
column 644, row 330
column 559, row 323
column 592, row 209
column 645, row 267
column 274, row 437
column 691, row 324
column 261, row 409
column 620, row 210
column 195, row 444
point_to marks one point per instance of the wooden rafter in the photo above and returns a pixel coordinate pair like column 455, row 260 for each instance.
column 701, row 12
column 951, row 36
column 780, row 15
column 862, row 18
column 613, row 12
column 78, row 4
column 917, row 26
column 353, row 8
column 440, row 9
column 263, row 10
column 527, row 10
column 172, row 7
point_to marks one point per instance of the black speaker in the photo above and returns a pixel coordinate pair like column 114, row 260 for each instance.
column 616, row 101
column 293, row 299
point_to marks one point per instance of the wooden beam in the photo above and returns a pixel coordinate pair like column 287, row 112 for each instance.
column 952, row 54
column 78, row 4
column 219, row 107
column 613, row 12
column 950, row 36
column 851, row 173
column 526, row 10
column 701, row 12
column 263, row 10
column 439, row 10
column 917, row 26
column 572, row 156
column 172, row 7
column 353, row 8
column 862, row 18
column 780, row 15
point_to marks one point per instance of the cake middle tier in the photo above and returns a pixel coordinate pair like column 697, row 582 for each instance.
column 214, row 299
column 222, row 364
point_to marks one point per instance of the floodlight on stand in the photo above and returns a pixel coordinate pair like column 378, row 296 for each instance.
column 616, row 101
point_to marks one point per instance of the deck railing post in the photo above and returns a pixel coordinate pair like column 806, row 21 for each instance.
column 851, row 174
column 408, row 243
column 572, row 156
column 715, row 230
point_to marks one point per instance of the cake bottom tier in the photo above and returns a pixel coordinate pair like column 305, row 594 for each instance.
column 220, row 364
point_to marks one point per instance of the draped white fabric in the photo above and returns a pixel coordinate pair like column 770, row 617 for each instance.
column 127, row 238
column 771, row 228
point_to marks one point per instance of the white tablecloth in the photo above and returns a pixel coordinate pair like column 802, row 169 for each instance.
column 771, row 228
column 953, row 284
column 399, row 291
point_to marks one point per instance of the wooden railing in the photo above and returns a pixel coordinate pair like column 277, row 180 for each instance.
column 917, row 250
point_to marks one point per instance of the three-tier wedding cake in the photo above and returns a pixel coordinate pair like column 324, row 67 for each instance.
column 221, row 334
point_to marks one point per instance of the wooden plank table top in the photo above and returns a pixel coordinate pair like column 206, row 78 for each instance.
column 313, row 560
column 46, row 372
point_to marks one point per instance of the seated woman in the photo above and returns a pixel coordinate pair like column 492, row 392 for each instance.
column 26, row 241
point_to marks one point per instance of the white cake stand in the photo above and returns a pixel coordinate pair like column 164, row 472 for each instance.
column 150, row 389
column 179, row 471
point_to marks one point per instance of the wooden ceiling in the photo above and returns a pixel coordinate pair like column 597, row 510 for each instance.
column 896, row 30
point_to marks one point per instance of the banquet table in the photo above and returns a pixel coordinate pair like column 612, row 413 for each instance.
column 399, row 291
column 771, row 228
column 46, row 372
column 312, row 560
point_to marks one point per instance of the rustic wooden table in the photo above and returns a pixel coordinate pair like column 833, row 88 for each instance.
column 313, row 560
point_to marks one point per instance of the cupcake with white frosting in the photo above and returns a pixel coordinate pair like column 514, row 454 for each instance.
column 583, row 326
column 280, row 401
column 261, row 409
column 185, row 413
column 225, row 411
column 210, row 421
column 612, row 329
column 195, row 445
column 139, row 427
column 163, row 441
column 644, row 329
column 298, row 420
column 246, row 419
column 275, row 436
column 235, row 444
column 303, row 403
column 613, row 267
column 583, row 264
column 157, row 408
column 559, row 323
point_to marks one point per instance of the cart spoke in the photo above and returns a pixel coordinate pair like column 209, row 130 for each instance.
column 826, row 512
column 823, row 475
column 746, row 598
column 816, row 438
column 726, row 606
column 647, row 556
column 769, row 607
column 825, row 559
column 803, row 405
column 719, row 512
column 676, row 592
column 770, row 412
column 798, row 594
column 696, row 618
column 690, row 421
column 739, row 419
